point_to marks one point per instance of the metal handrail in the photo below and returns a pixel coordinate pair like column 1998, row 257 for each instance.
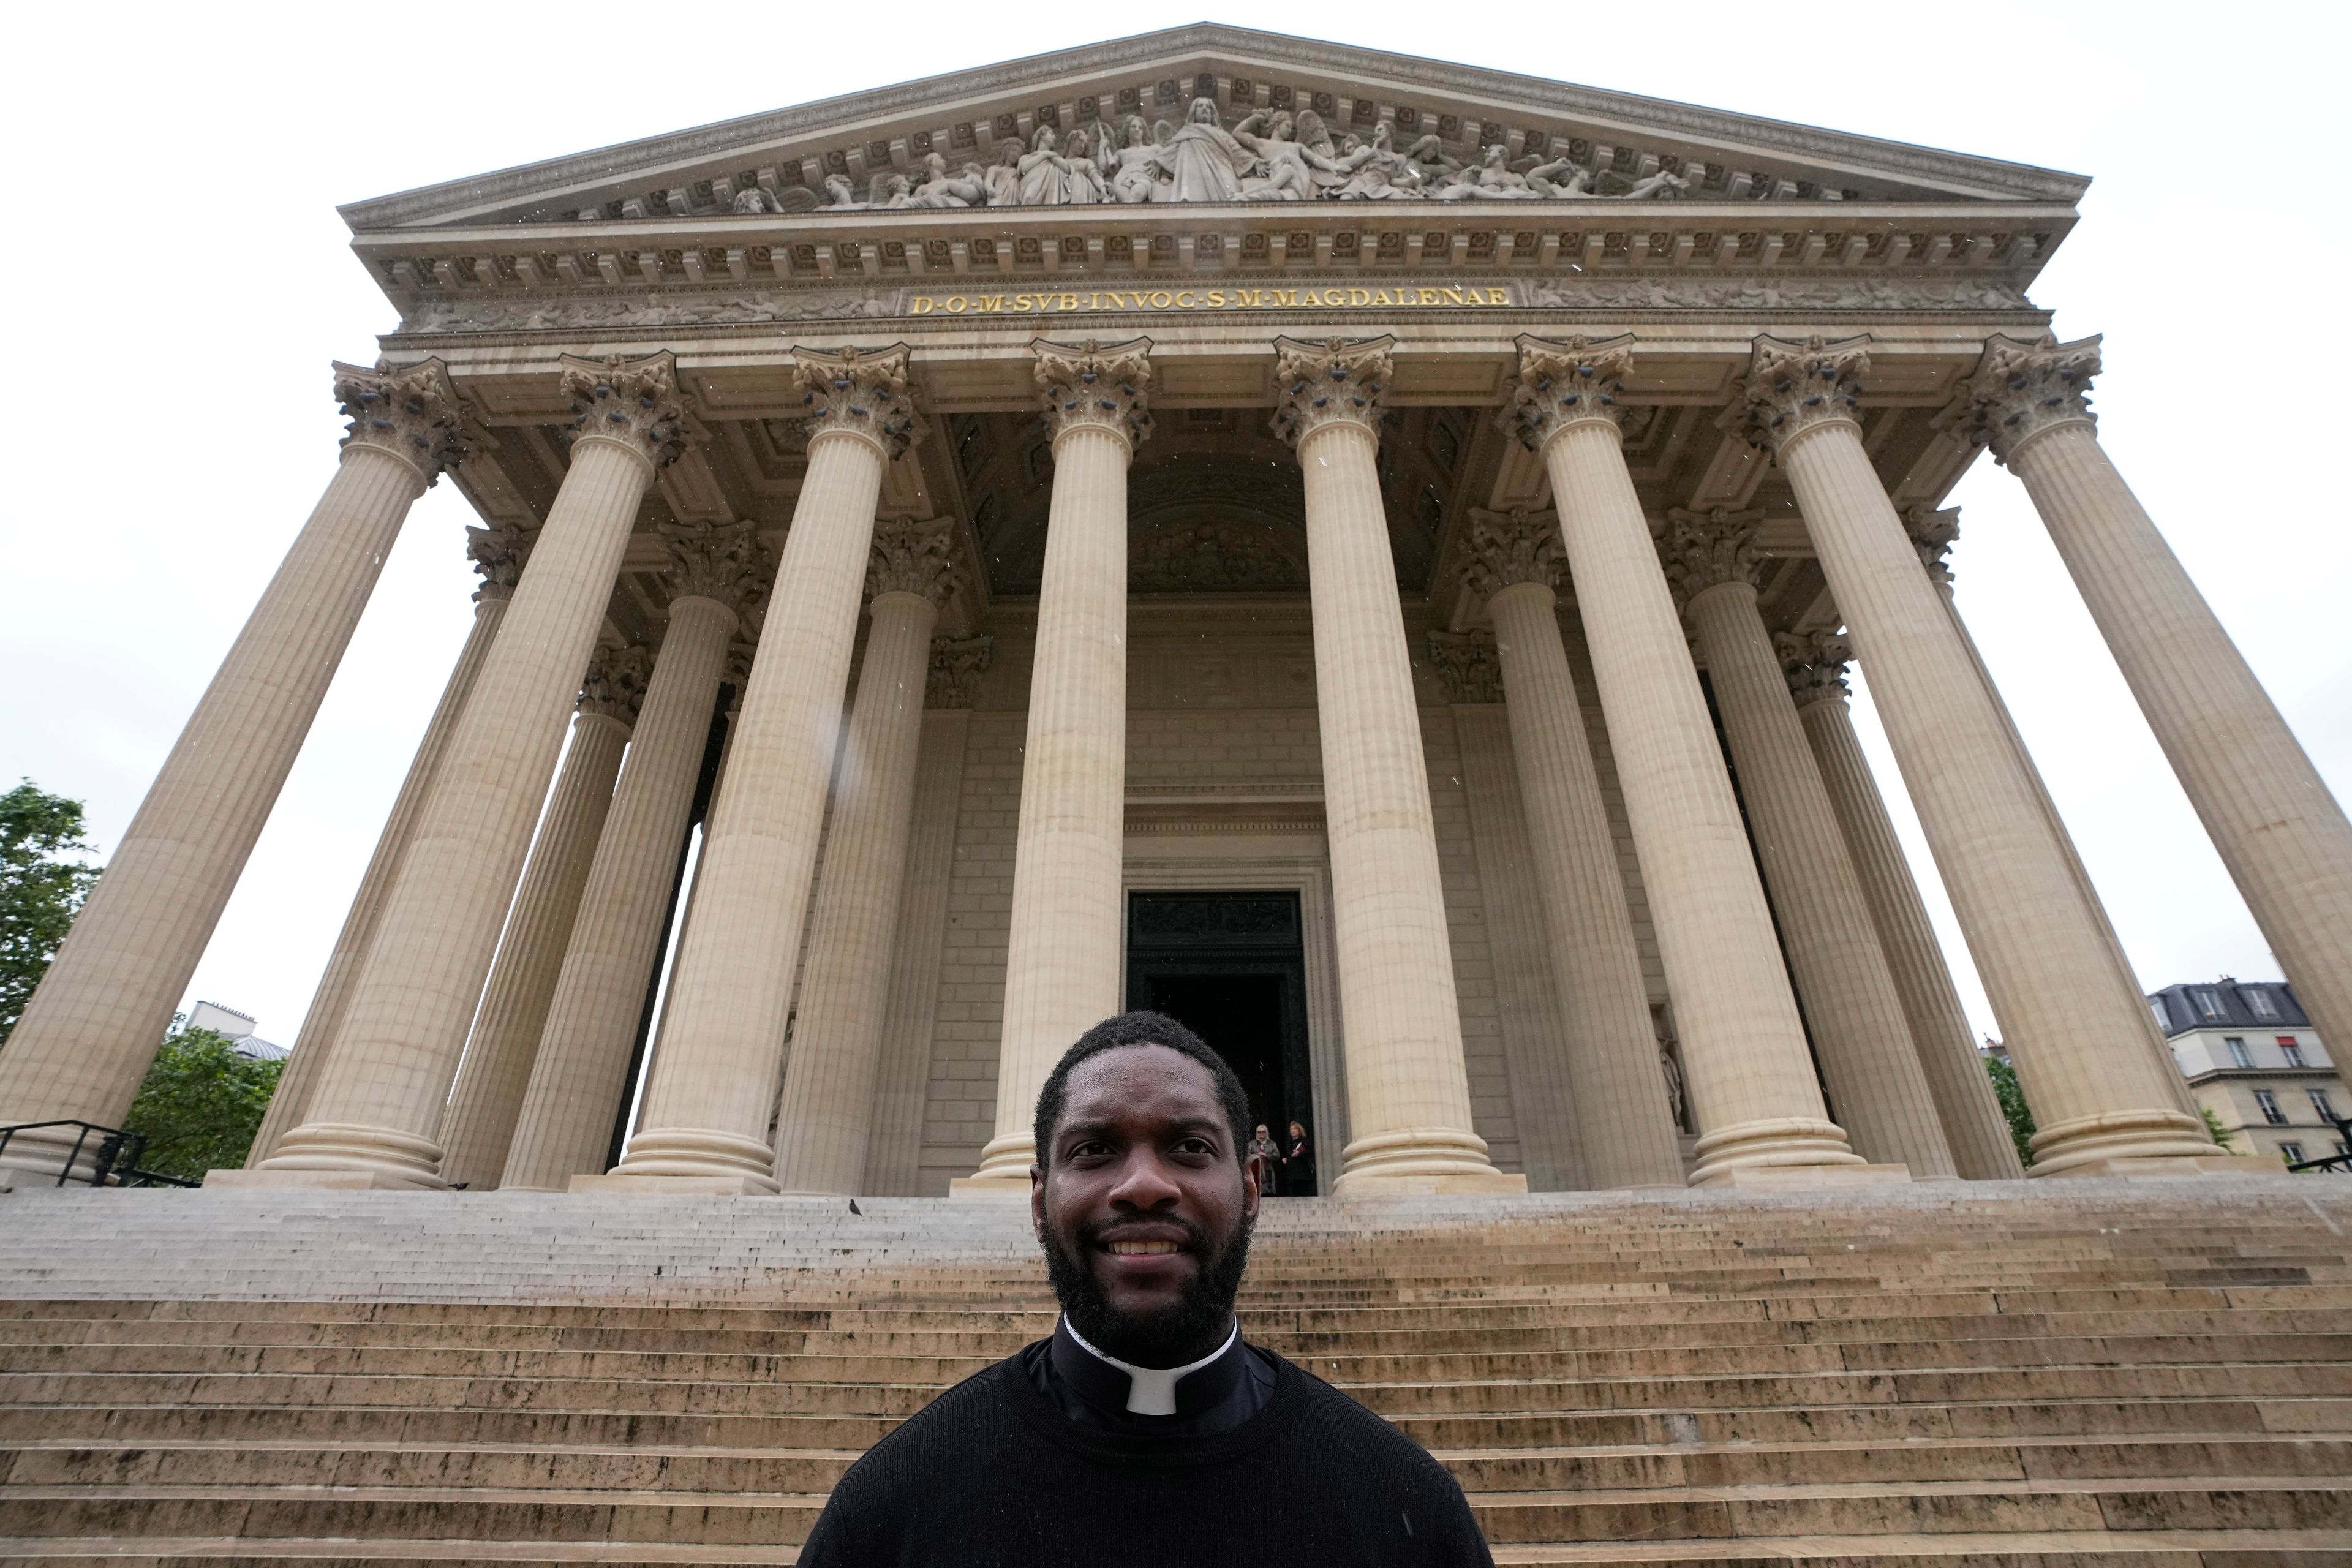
column 2334, row 1162
column 115, row 1147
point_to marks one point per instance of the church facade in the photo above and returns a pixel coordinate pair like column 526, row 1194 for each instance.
column 1359, row 555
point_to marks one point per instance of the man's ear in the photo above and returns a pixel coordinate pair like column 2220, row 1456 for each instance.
column 1037, row 1199
column 1253, row 1181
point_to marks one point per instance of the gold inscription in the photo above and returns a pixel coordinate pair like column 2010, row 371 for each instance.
column 1079, row 302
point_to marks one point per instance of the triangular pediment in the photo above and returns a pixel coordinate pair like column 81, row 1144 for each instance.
column 781, row 162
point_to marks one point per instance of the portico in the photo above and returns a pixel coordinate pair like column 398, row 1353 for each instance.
column 1457, row 547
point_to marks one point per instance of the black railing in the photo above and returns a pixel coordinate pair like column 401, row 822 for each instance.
column 2337, row 1162
column 114, row 1154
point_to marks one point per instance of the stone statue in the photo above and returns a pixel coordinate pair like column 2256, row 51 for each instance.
column 1672, row 1071
column 941, row 189
column 1132, row 167
column 1002, row 177
column 1377, row 171
column 840, row 195
column 1044, row 173
column 1287, row 177
column 1088, row 182
column 752, row 199
column 887, row 189
column 1429, row 162
column 1545, row 180
column 1664, row 186
column 1492, row 178
column 1204, row 162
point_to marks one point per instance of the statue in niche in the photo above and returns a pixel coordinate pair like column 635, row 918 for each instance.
column 1490, row 179
column 1044, row 173
column 941, row 189
column 1378, row 172
column 1204, row 160
column 1089, row 183
column 1664, row 186
column 1287, row 177
column 1672, row 1071
column 1002, row 177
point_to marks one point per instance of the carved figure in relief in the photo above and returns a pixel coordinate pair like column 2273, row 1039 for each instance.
column 1002, row 177
column 752, row 199
column 1132, row 167
column 1204, row 163
column 941, row 189
column 1374, row 172
column 1491, row 179
column 889, row 188
column 1664, row 186
column 1044, row 173
column 1560, row 180
column 1429, row 159
column 840, row 195
column 1287, row 177
column 1088, row 182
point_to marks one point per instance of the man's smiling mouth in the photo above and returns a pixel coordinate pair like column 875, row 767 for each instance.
column 1140, row 1248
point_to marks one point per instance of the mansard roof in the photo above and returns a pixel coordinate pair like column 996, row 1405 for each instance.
column 1620, row 136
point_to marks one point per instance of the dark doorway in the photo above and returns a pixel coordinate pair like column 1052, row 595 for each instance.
column 1232, row 967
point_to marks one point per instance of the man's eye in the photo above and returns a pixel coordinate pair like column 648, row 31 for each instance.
column 1196, row 1146
column 1093, row 1148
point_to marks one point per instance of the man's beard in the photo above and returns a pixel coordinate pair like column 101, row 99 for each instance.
column 1185, row 1330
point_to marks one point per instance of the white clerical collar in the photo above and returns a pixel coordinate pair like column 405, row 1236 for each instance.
column 1151, row 1390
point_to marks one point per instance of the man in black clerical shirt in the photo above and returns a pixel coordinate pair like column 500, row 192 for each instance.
column 1146, row 1431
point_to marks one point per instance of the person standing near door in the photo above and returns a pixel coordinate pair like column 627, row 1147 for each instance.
column 1297, row 1162
column 1270, row 1153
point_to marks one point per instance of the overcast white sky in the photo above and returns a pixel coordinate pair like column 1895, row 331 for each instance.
column 175, row 281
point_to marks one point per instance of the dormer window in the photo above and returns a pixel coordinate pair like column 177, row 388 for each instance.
column 2260, row 1001
column 2209, row 1003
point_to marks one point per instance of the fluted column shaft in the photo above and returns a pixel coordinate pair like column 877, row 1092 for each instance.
column 825, row 1120
column 579, row 1074
column 375, row 1118
column 324, row 1018
column 1860, row 1033
column 1747, row 1068
column 93, row 1028
column 2075, row 1028
column 2281, row 833
column 1982, row 1150
column 713, row 1079
column 479, row 1122
column 1625, row 1126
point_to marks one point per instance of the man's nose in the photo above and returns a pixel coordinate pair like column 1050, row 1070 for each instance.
column 1145, row 1182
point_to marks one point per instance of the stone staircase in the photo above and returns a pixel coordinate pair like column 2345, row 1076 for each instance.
column 2092, row 1372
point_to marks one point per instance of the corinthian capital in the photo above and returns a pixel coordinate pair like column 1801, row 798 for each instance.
column 859, row 392
column 1796, row 387
column 719, row 560
column 1707, row 549
column 1468, row 665
column 957, row 665
column 498, row 553
column 1565, row 383
column 2023, row 389
column 1335, row 381
column 633, row 403
column 911, row 558
column 1094, row 386
column 411, row 413
column 1933, row 534
column 1814, row 663
column 1515, row 546
column 616, row 682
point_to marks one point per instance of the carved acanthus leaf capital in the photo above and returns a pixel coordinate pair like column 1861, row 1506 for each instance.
column 1933, row 534
column 1792, row 388
column 720, row 560
column 1329, row 382
column 957, row 665
column 1515, row 546
column 498, row 553
column 1565, row 383
column 2021, row 390
column 616, row 682
column 632, row 402
column 1704, row 549
column 1814, row 663
column 412, row 413
column 861, row 392
column 911, row 557
column 737, row 672
column 1096, row 386
column 1468, row 665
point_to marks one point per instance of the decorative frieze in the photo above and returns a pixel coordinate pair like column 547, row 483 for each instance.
column 1564, row 383
column 859, row 392
column 910, row 557
column 1219, row 556
column 498, row 553
column 720, row 560
column 413, row 413
column 616, row 682
column 957, row 664
column 1795, row 387
column 1466, row 666
column 1515, row 546
column 1705, row 550
column 1096, row 386
column 2022, row 389
column 1815, row 664
column 634, row 402
column 1320, row 384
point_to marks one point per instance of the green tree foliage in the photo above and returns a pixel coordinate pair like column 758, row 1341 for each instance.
column 41, row 889
column 201, row 1105
column 2213, row 1125
column 2011, row 1095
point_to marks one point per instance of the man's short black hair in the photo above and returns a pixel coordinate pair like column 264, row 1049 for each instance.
column 1141, row 1029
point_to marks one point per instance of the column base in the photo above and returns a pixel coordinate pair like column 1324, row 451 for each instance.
column 1773, row 1143
column 317, row 1150
column 1380, row 1184
column 685, row 1186
column 988, row 1189
column 2117, row 1141
column 1801, row 1178
column 319, row 1181
column 2173, row 1165
column 667, row 1159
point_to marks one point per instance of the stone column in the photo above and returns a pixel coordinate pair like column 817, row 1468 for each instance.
column 1861, row 1036
column 2281, row 833
column 702, row 1125
column 1626, row 1128
column 1061, row 959
column 2077, row 1030
column 93, row 1028
column 1747, row 1071
column 479, row 1122
column 1408, row 1091
column 498, row 554
column 580, row 1069
column 375, row 1119
column 1974, row 1128
column 826, row 1118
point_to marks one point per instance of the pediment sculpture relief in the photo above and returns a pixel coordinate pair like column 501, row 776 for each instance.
column 1267, row 156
